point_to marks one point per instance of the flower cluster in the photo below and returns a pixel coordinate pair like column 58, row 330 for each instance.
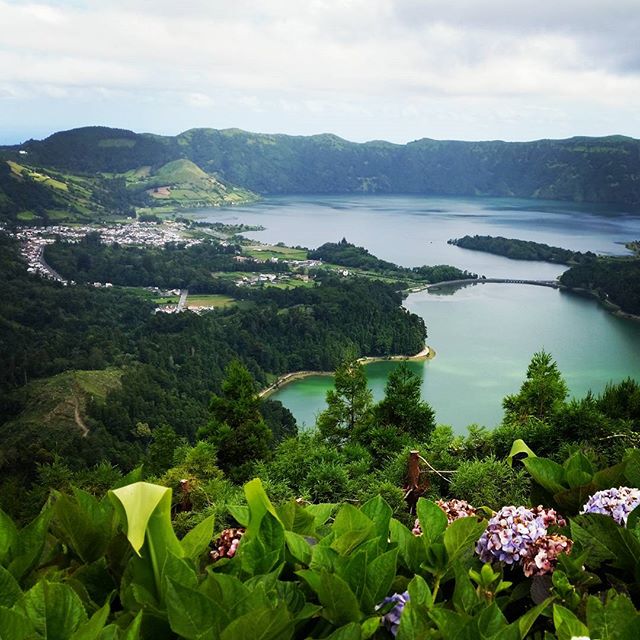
column 542, row 556
column 391, row 619
column 519, row 535
column 617, row 503
column 227, row 544
column 454, row 509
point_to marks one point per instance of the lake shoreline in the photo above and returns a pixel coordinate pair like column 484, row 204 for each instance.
column 428, row 353
column 609, row 306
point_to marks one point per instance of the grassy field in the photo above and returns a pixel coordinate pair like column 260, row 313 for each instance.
column 290, row 284
column 266, row 251
column 216, row 300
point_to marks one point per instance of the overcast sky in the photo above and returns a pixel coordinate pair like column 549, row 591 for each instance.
column 363, row 69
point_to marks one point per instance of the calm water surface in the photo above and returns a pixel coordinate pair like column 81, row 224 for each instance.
column 484, row 335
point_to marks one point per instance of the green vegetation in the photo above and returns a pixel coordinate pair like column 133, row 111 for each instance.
column 345, row 254
column 522, row 249
column 612, row 280
column 264, row 252
column 578, row 169
column 170, row 267
column 216, row 301
column 168, row 364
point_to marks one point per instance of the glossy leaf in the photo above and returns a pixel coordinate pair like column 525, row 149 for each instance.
column 433, row 520
column 196, row 542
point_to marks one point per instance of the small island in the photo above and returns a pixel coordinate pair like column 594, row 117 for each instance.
column 522, row 249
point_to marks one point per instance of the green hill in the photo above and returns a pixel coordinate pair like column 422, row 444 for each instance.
column 50, row 415
column 198, row 166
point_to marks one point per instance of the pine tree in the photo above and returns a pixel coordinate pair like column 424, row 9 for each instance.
column 541, row 394
column 349, row 403
column 237, row 427
column 403, row 407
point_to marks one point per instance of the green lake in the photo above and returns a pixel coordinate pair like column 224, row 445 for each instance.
column 484, row 335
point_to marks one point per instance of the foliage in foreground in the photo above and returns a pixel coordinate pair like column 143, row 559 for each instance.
column 113, row 568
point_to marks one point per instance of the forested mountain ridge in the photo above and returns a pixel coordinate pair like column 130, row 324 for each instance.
column 581, row 169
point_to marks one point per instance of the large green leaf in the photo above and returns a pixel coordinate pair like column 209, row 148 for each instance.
column 8, row 537
column 14, row 625
column 196, row 542
column 146, row 509
column 261, row 624
column 54, row 609
column 298, row 547
column 192, row 614
column 381, row 572
column 92, row 629
column 84, row 523
column 297, row 519
column 519, row 451
column 28, row 546
column 547, row 474
column 610, row 619
column 379, row 512
column 9, row 588
column 258, row 502
column 263, row 549
column 340, row 604
column 461, row 536
column 567, row 624
column 351, row 631
column 433, row 520
column 139, row 502
column 412, row 550
column 606, row 541
column 350, row 528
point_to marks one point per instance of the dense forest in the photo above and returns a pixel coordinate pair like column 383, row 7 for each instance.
column 168, row 364
column 345, row 254
column 205, row 163
column 171, row 266
column 522, row 249
column 613, row 280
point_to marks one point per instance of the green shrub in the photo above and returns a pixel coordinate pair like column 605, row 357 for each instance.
column 491, row 483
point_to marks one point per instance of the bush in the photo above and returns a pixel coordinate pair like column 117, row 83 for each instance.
column 491, row 483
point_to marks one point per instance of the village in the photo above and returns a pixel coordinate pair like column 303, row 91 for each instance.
column 33, row 241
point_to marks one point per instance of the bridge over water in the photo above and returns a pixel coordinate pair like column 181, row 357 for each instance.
column 554, row 284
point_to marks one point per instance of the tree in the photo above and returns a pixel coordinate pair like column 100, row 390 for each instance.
column 237, row 427
column 349, row 403
column 403, row 407
column 541, row 395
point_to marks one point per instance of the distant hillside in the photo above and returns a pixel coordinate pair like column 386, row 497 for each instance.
column 603, row 170
column 32, row 191
column 52, row 411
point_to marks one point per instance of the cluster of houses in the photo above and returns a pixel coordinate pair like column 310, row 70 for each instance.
column 34, row 239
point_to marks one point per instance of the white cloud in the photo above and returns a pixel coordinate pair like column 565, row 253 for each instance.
column 328, row 62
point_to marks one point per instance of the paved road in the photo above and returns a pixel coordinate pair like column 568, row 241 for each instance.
column 52, row 272
column 183, row 299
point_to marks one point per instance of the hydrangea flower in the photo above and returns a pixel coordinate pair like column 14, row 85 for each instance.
column 391, row 619
column 511, row 533
column 454, row 509
column 227, row 544
column 542, row 555
column 617, row 503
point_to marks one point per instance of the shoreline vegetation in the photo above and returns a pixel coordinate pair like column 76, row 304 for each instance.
column 428, row 353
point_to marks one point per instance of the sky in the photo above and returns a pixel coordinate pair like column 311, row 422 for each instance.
column 396, row 70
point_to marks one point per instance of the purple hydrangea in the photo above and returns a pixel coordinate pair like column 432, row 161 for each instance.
column 617, row 503
column 512, row 531
column 391, row 619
